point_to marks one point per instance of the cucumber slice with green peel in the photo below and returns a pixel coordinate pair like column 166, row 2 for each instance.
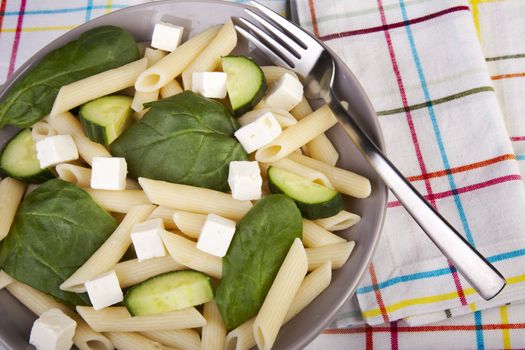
column 105, row 118
column 245, row 83
column 315, row 201
column 169, row 292
column 18, row 160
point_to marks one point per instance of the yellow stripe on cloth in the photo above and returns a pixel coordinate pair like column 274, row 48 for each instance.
column 37, row 29
column 474, row 5
column 504, row 314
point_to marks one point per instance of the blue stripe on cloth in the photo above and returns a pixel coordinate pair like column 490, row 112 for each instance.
column 479, row 330
column 435, row 273
column 64, row 10
column 89, row 9
column 520, row 157
column 435, row 125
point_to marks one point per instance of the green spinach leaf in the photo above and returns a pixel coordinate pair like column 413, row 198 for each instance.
column 56, row 229
column 96, row 50
column 185, row 139
column 256, row 253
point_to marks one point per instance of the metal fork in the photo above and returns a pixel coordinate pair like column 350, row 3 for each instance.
column 289, row 46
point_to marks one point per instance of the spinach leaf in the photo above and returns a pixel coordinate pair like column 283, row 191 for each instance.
column 256, row 253
column 56, row 229
column 96, row 50
column 185, row 139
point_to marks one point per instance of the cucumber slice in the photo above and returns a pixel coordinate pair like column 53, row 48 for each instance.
column 19, row 161
column 245, row 84
column 105, row 118
column 315, row 201
column 169, row 292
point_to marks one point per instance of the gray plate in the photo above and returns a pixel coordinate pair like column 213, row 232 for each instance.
column 16, row 320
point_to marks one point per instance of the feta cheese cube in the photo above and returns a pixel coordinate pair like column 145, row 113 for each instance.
column 216, row 235
column 56, row 149
column 285, row 93
column 245, row 180
column 166, row 36
column 109, row 173
column 209, row 84
column 258, row 133
column 104, row 290
column 53, row 330
column 146, row 239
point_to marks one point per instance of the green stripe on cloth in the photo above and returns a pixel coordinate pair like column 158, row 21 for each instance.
column 506, row 57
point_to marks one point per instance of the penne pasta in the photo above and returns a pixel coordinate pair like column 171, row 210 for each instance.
column 166, row 214
column 11, row 194
column 241, row 338
column 194, row 199
column 168, row 68
column 133, row 341
column 343, row 180
column 118, row 201
column 284, row 117
column 40, row 130
column 140, row 98
column 170, row 89
column 66, row 124
column 109, row 253
column 337, row 254
column 316, row 236
column 214, row 332
column 301, row 170
column 189, row 223
column 210, row 58
column 186, row 339
column 153, row 55
column 185, row 252
column 340, row 221
column 5, row 279
column 85, row 338
column 132, row 272
column 87, row 89
column 274, row 73
column 280, row 296
column 297, row 135
column 118, row 319
column 75, row 174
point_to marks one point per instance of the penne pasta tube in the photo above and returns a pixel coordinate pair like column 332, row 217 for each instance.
column 5, row 279
column 337, row 254
column 297, row 135
column 171, row 89
column 284, row 117
column 66, row 124
column 118, row 319
column 140, row 98
column 316, row 236
column 109, row 253
column 11, row 194
column 133, row 341
column 210, row 58
column 85, row 338
column 241, row 338
column 132, row 272
column 75, row 174
column 214, row 332
column 185, row 252
column 280, row 296
column 87, row 89
column 187, row 339
column 166, row 214
column 340, row 221
column 343, row 180
column 274, row 73
column 301, row 170
column 40, row 130
column 118, row 201
column 168, row 68
column 194, row 199
column 189, row 223
column 153, row 55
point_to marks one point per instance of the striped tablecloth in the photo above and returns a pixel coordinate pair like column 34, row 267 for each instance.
column 27, row 25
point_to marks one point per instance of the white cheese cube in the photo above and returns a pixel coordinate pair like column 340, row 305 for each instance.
column 53, row 330
column 258, row 133
column 166, row 36
column 216, row 235
column 146, row 239
column 209, row 84
column 56, row 149
column 245, row 180
column 104, row 290
column 109, row 173
column 285, row 93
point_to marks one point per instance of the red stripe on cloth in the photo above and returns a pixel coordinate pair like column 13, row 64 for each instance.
column 16, row 42
column 2, row 10
column 517, row 138
column 421, row 329
column 462, row 168
column 377, row 292
column 394, row 336
column 466, row 189
column 507, row 76
column 385, row 27
column 313, row 15
column 369, row 340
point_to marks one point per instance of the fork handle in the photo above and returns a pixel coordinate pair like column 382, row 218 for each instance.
column 480, row 273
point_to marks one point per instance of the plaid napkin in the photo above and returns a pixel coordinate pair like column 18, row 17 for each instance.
column 425, row 73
